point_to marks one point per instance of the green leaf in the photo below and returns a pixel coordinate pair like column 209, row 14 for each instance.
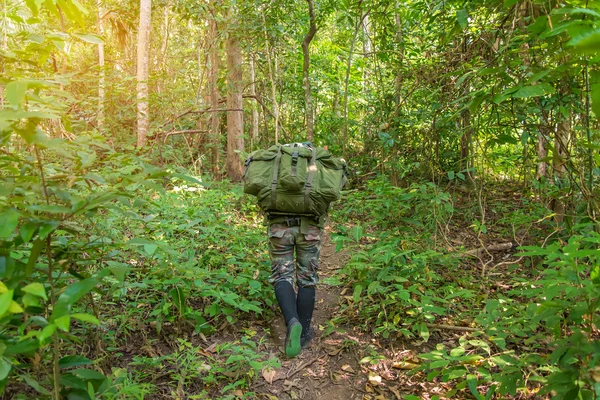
column 88, row 374
column 357, row 233
column 15, row 93
column 595, row 275
column 588, row 43
column 533, row 91
column 178, row 297
column 24, row 346
column 27, row 230
column 63, row 323
column 36, row 289
column 47, row 332
column 47, row 228
column 462, row 17
column 89, row 38
column 71, row 295
column 188, row 178
column 357, row 291
column 595, row 92
column 457, row 352
column 86, row 318
column 424, row 332
column 150, row 248
column 572, row 11
column 34, row 254
column 5, row 368
column 8, row 222
column 472, row 382
column 451, row 175
column 36, row 385
column 5, row 301
column 562, row 27
column 74, row 361
column 91, row 391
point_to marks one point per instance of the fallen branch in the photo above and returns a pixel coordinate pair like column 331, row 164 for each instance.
column 191, row 111
column 453, row 328
column 496, row 247
column 300, row 367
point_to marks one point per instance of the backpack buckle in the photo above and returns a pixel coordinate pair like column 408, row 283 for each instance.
column 294, row 221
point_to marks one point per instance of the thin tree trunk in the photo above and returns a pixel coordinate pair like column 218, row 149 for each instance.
column 272, row 79
column 101, row 78
column 400, row 39
column 542, row 153
column 467, row 128
column 561, row 140
column 310, row 121
column 235, row 119
column 200, row 141
column 347, row 80
column 165, row 42
column 143, row 117
column 213, row 74
column 254, row 135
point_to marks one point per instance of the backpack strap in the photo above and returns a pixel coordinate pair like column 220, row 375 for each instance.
column 312, row 167
column 275, row 174
column 295, row 160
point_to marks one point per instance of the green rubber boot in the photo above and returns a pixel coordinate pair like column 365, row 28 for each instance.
column 292, row 338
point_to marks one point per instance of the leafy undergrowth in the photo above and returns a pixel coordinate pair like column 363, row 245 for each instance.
column 127, row 281
column 198, row 265
column 113, row 282
column 499, row 321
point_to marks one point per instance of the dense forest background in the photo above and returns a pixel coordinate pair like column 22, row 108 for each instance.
column 132, row 266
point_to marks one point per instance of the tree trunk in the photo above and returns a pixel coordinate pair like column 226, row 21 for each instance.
column 272, row 79
column 255, row 126
column 213, row 75
column 400, row 39
column 310, row 121
column 561, row 140
column 235, row 115
column 101, row 78
column 143, row 117
column 347, row 80
column 165, row 42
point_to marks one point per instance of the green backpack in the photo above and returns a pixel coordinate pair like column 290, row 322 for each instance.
column 294, row 179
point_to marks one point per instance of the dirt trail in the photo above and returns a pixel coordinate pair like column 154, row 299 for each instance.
column 329, row 368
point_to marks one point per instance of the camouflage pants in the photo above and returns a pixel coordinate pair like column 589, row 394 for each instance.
column 283, row 240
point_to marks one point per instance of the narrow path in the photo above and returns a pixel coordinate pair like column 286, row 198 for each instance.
column 329, row 368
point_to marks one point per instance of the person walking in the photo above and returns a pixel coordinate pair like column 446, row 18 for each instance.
column 295, row 185
column 301, row 235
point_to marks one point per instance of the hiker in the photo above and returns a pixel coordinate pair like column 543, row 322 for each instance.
column 295, row 184
column 303, row 235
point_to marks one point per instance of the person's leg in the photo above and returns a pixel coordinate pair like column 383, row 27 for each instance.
column 281, row 249
column 308, row 247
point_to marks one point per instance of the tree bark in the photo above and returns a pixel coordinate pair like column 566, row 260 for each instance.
column 165, row 42
column 400, row 39
column 272, row 79
column 561, row 140
column 213, row 74
column 347, row 80
column 255, row 126
column 101, row 77
column 310, row 121
column 143, row 117
column 235, row 119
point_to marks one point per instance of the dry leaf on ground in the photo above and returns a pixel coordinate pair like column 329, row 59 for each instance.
column 269, row 375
